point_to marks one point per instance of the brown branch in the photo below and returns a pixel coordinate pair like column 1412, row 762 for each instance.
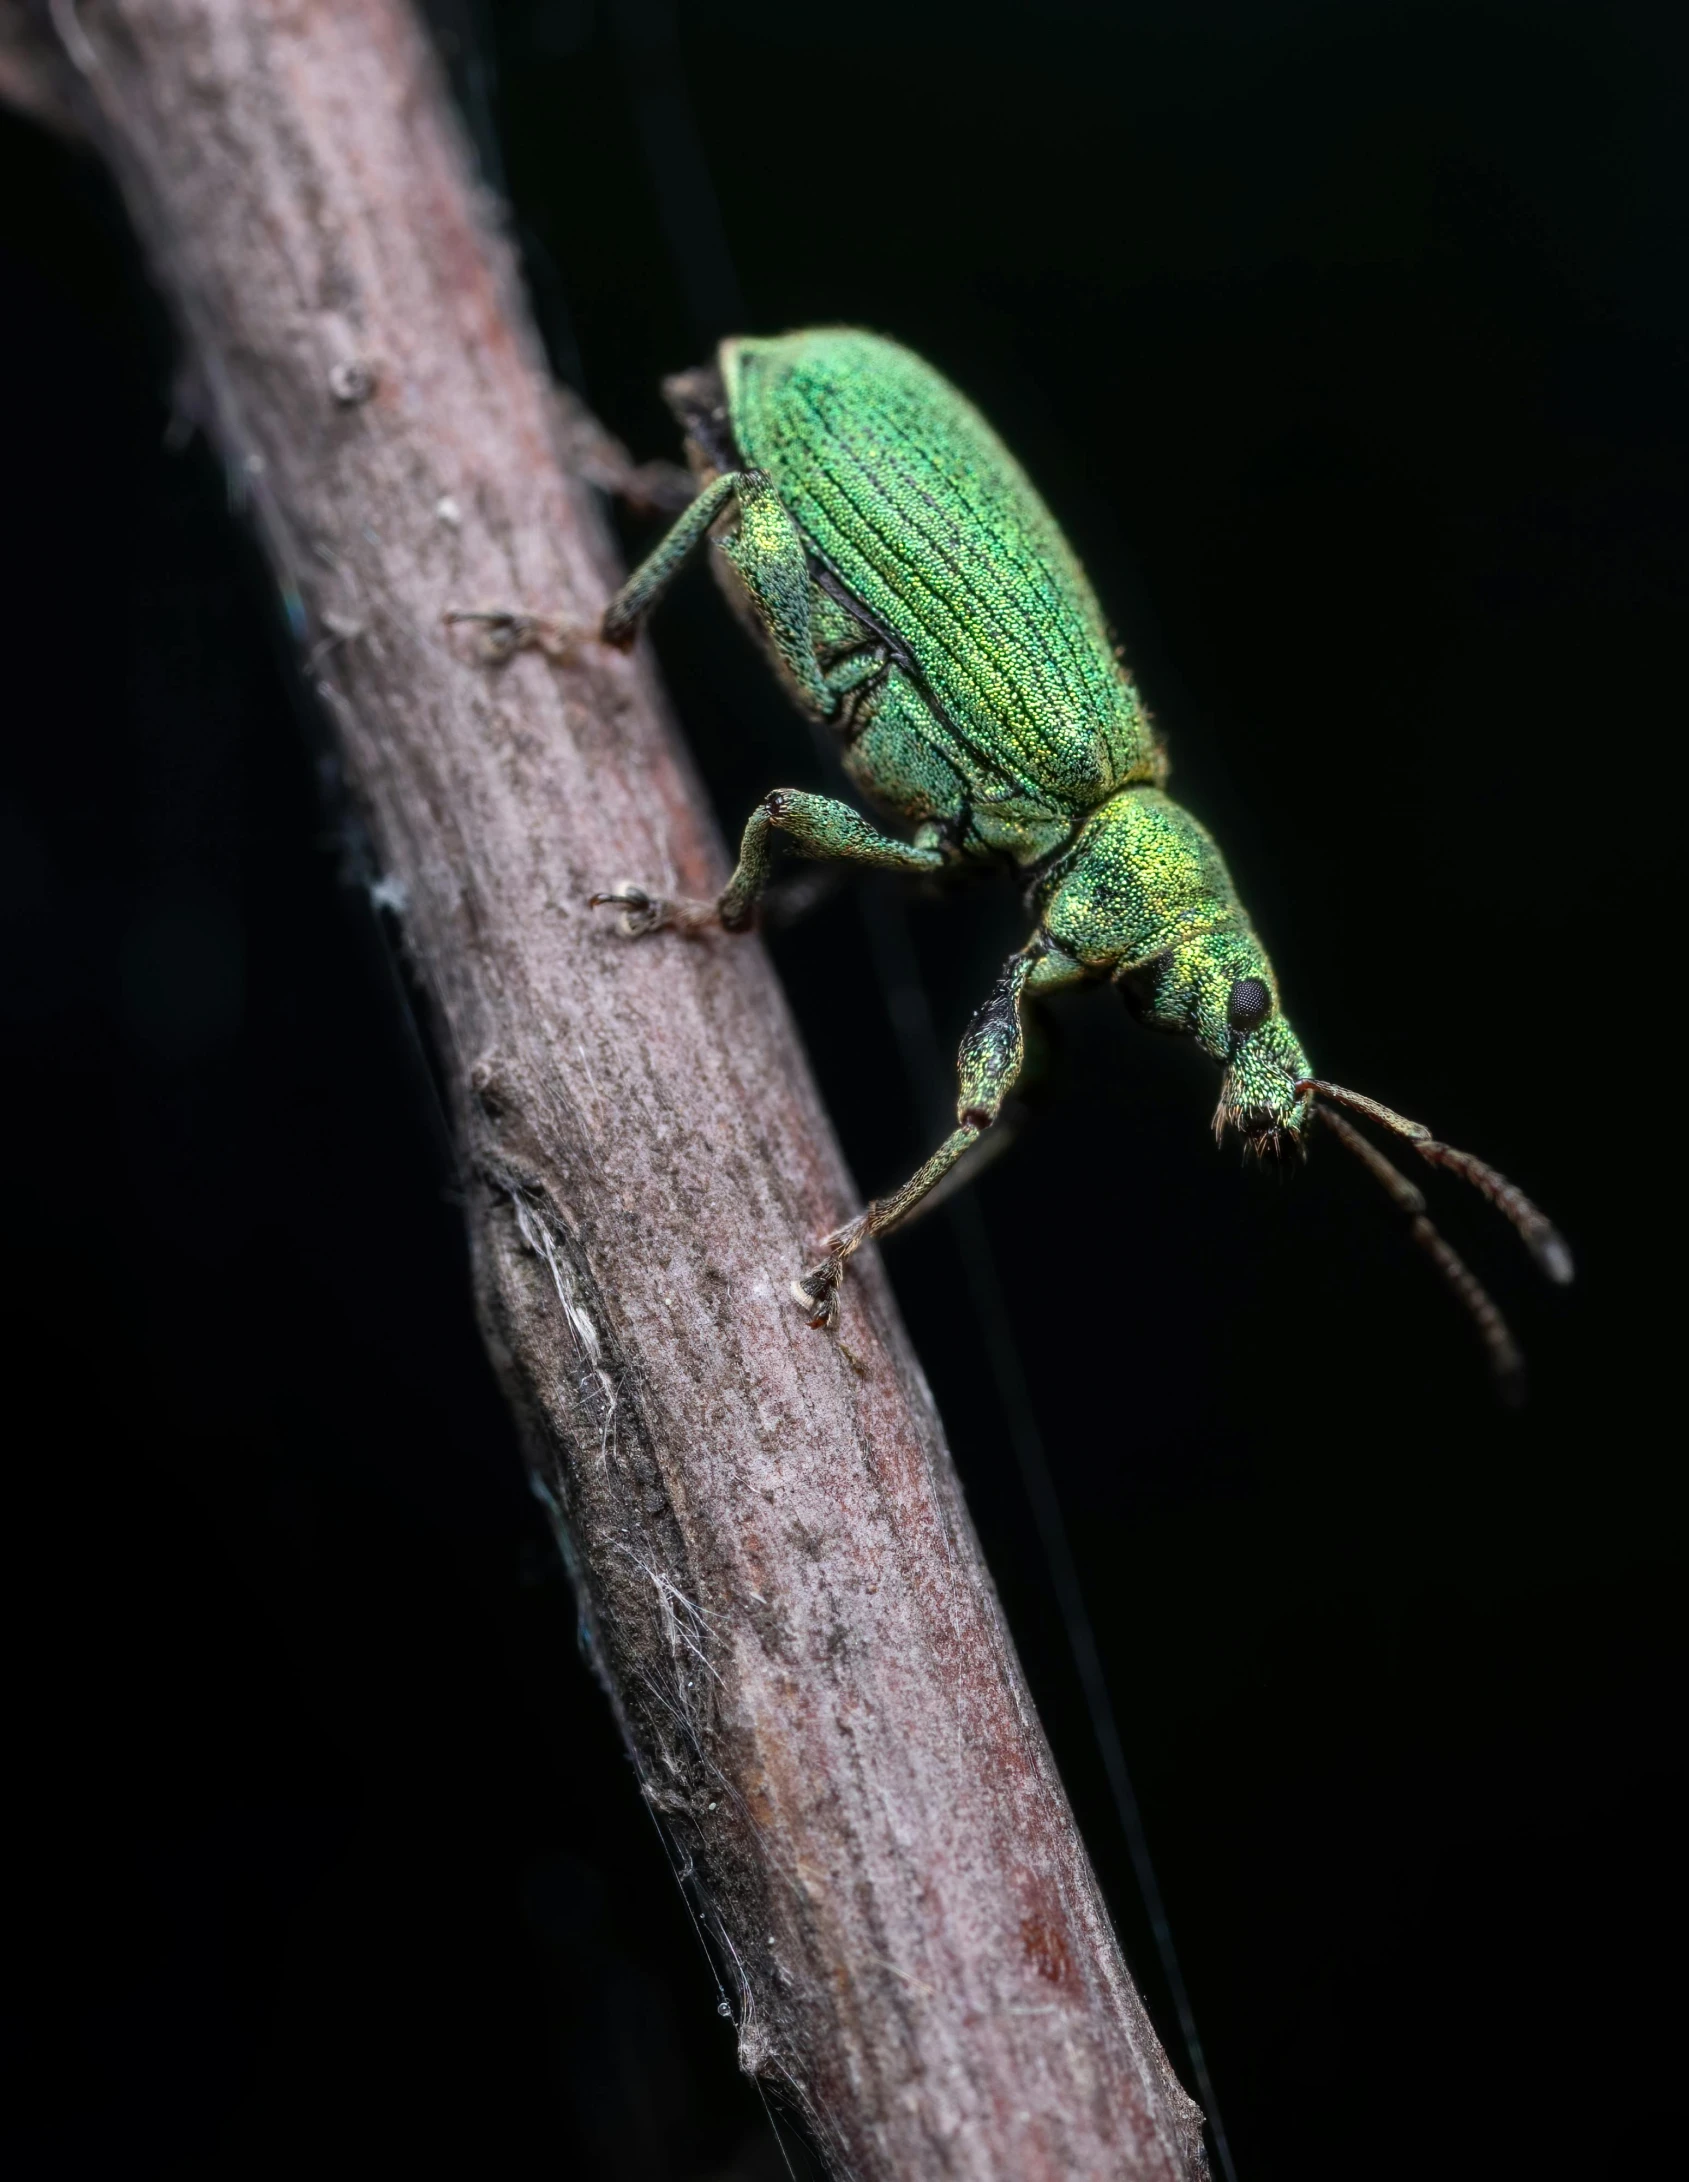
column 786, row 1600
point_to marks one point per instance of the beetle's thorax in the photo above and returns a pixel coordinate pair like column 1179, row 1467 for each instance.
column 1140, row 880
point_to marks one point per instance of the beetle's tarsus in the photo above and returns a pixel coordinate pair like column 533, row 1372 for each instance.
column 843, row 1240
column 818, row 1294
column 643, row 913
column 646, row 488
column 818, row 1289
column 619, row 628
column 503, row 631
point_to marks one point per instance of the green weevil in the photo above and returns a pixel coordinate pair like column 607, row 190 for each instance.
column 915, row 595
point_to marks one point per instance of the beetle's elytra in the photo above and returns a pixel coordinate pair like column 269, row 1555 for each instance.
column 915, row 594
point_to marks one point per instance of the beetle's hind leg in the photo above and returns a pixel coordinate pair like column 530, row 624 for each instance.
column 816, row 826
column 648, row 488
column 768, row 556
column 626, row 612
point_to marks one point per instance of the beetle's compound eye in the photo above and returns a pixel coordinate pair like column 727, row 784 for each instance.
column 1250, row 1003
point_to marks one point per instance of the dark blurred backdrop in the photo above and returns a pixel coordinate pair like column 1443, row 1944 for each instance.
column 1349, row 343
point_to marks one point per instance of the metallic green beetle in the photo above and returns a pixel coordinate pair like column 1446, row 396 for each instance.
column 915, row 594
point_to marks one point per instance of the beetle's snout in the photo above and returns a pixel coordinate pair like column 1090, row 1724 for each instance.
column 1274, row 1129
column 1259, row 1095
column 1271, row 1134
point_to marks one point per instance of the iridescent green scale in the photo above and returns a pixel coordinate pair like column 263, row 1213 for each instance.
column 915, row 595
column 903, row 490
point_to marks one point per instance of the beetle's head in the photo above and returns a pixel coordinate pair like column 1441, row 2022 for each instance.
column 1147, row 900
column 1219, row 988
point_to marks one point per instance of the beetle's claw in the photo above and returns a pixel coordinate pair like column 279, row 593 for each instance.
column 641, row 912
column 644, row 912
column 818, row 1293
column 818, row 1290
column 503, row 631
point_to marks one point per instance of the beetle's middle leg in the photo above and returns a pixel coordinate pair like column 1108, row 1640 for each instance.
column 817, row 826
column 992, row 1051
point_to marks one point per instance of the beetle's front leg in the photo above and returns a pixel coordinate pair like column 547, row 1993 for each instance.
column 817, row 826
column 993, row 1048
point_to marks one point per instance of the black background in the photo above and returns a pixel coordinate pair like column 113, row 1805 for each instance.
column 1349, row 345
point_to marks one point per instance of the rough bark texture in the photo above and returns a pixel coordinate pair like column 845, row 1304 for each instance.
column 786, row 1600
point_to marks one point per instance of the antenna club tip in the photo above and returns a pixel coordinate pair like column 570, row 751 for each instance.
column 1553, row 1254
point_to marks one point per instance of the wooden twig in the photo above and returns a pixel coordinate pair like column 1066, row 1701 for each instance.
column 784, row 1596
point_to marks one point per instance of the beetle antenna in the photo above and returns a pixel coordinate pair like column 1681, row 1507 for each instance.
column 1506, row 1363
column 1541, row 1237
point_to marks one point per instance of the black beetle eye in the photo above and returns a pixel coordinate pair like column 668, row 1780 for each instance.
column 1249, row 1004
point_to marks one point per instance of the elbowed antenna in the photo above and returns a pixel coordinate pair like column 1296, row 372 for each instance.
column 1506, row 1363
column 1541, row 1237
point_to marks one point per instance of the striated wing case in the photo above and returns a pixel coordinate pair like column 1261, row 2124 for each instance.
column 907, row 494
